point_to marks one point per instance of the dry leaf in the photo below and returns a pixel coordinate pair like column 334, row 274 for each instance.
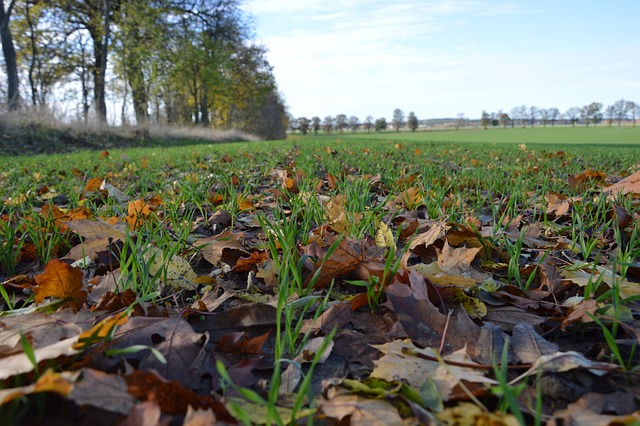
column 61, row 281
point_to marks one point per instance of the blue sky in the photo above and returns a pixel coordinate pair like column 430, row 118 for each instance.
column 439, row 58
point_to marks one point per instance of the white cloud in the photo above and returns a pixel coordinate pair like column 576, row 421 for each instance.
column 371, row 56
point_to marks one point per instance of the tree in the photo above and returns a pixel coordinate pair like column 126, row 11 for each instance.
column 354, row 123
column 554, row 113
column 460, row 120
column 398, row 119
column 504, row 119
column 303, row 125
column 622, row 109
column 412, row 121
column 610, row 113
column 368, row 123
column 10, row 58
column 533, row 114
column 327, row 124
column 485, row 119
column 381, row 124
column 543, row 113
column 315, row 124
column 292, row 123
column 595, row 112
column 572, row 115
column 522, row 114
column 341, row 122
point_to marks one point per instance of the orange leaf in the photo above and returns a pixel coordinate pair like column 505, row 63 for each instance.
column 93, row 184
column 62, row 281
column 100, row 330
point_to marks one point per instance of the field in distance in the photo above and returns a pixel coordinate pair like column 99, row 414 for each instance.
column 600, row 135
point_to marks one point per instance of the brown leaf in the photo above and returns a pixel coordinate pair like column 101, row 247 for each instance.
column 61, row 281
column 172, row 397
column 240, row 343
column 197, row 417
column 246, row 264
column 224, row 247
column 580, row 313
column 456, row 260
column 144, row 414
column 435, row 232
column 628, row 185
column 104, row 391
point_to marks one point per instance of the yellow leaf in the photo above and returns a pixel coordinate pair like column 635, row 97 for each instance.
column 384, row 236
column 178, row 271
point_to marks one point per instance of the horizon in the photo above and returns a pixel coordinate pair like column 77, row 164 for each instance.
column 369, row 57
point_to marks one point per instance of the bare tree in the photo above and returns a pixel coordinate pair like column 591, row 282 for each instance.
column 543, row 113
column 368, row 123
column 572, row 115
column 460, row 120
column 533, row 114
column 554, row 113
column 341, row 122
column 610, row 113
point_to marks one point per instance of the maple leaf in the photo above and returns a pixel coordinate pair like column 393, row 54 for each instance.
column 62, row 281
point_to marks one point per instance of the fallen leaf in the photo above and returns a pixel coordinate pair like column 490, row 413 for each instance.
column 48, row 382
column 362, row 411
column 62, row 281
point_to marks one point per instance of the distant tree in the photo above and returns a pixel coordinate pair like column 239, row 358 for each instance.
column 412, row 121
column 543, row 113
column 368, row 123
column 635, row 112
column 303, row 125
column 495, row 118
column 522, row 113
column 485, row 119
column 572, row 115
column 327, row 124
column 554, row 113
column 460, row 120
column 504, row 119
column 622, row 109
column 398, row 119
column 610, row 114
column 354, row 123
column 341, row 122
column 584, row 115
column 630, row 106
column 533, row 114
column 595, row 112
column 292, row 122
column 381, row 124
column 515, row 116
column 315, row 124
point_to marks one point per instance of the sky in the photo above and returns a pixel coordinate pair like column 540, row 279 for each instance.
column 440, row 58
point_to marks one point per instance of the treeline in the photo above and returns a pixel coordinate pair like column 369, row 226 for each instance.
column 175, row 62
column 341, row 122
column 593, row 113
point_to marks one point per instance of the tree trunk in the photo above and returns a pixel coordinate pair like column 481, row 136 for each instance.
column 9, row 52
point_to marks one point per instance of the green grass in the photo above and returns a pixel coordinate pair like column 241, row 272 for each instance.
column 499, row 177
column 560, row 135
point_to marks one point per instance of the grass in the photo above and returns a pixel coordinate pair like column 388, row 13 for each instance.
column 560, row 135
column 493, row 183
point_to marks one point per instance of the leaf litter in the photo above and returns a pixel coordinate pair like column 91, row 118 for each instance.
column 415, row 305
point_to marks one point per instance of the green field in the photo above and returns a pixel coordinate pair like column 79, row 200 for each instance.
column 600, row 135
column 405, row 274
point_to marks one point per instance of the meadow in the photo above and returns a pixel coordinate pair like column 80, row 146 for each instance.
column 489, row 275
